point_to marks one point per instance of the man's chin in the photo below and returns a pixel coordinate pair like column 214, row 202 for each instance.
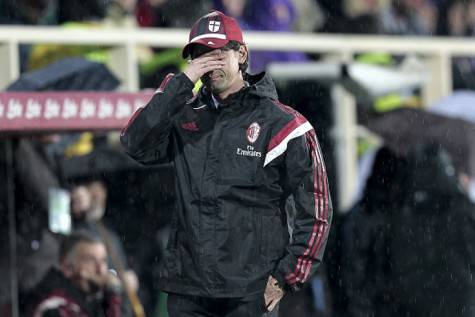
column 216, row 89
column 214, row 86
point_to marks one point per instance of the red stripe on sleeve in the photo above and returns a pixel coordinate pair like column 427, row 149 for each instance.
column 321, row 203
column 139, row 110
column 165, row 82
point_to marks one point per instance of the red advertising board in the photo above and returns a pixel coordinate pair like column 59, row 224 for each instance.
column 40, row 111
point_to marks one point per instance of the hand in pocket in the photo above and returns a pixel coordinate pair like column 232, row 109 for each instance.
column 273, row 293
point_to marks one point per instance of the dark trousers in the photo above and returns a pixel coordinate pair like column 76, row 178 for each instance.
column 195, row 306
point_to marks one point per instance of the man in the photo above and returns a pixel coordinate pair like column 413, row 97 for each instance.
column 238, row 155
column 88, row 206
column 82, row 285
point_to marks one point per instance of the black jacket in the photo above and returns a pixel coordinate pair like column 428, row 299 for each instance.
column 235, row 167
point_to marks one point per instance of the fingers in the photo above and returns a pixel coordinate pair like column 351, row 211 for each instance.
column 273, row 293
column 206, row 63
column 272, row 305
column 271, row 302
column 200, row 66
column 130, row 280
column 210, row 66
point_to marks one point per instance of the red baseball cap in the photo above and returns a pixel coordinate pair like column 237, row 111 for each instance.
column 213, row 30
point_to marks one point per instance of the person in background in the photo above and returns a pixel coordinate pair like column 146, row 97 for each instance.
column 81, row 284
column 365, row 234
column 408, row 17
column 431, row 248
column 88, row 203
column 264, row 15
column 28, row 12
column 159, row 62
column 457, row 18
column 276, row 16
column 88, row 206
column 238, row 155
column 166, row 13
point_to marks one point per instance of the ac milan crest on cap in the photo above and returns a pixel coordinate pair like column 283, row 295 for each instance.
column 213, row 30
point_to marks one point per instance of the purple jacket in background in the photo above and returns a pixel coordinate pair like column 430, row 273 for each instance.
column 270, row 15
column 267, row 15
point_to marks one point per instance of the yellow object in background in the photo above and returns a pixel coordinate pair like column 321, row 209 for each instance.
column 83, row 146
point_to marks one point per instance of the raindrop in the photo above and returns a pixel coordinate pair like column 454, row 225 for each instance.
column 420, row 196
column 35, row 245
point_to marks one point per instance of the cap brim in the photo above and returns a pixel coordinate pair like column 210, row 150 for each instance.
column 209, row 42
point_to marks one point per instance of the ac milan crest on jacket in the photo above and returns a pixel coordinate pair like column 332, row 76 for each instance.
column 235, row 165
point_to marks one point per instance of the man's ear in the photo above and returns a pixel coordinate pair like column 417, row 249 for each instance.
column 67, row 268
column 243, row 53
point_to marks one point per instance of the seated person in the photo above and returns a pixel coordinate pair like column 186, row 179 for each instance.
column 88, row 206
column 81, row 285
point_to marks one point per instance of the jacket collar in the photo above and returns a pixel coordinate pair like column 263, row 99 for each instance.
column 260, row 85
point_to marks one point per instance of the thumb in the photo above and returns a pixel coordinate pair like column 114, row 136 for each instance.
column 272, row 305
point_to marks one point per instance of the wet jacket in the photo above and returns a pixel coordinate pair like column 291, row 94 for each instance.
column 235, row 166
column 55, row 296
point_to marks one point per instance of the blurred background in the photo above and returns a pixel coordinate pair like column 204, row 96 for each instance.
column 388, row 85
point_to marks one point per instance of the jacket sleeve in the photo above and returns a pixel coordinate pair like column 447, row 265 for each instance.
column 147, row 135
column 113, row 305
column 306, row 180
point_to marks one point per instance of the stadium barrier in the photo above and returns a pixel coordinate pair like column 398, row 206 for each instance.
column 436, row 52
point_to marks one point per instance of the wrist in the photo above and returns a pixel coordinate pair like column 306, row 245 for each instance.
column 287, row 288
column 192, row 77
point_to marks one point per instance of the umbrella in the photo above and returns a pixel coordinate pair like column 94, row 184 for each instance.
column 74, row 73
column 460, row 104
column 101, row 160
column 404, row 130
column 110, row 160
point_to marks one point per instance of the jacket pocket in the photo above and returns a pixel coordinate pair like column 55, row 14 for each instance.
column 274, row 237
column 255, row 252
column 171, row 260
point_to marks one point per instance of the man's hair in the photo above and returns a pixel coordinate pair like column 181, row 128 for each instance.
column 235, row 45
column 69, row 243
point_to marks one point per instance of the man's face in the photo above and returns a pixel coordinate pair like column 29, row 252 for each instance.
column 98, row 194
column 80, row 201
column 86, row 266
column 220, row 80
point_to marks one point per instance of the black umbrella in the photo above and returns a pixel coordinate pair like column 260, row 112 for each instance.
column 405, row 129
column 101, row 160
column 106, row 160
column 69, row 74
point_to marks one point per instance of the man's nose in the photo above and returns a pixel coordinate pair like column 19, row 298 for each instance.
column 101, row 267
